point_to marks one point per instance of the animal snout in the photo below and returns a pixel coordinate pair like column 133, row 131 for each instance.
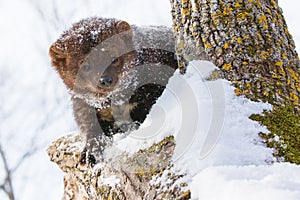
column 106, row 81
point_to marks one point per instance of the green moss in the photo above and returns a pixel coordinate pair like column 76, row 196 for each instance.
column 106, row 192
column 103, row 191
column 161, row 144
column 284, row 124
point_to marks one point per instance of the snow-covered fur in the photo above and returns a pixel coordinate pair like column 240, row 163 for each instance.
column 103, row 63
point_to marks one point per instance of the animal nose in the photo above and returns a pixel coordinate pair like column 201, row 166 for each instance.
column 106, row 81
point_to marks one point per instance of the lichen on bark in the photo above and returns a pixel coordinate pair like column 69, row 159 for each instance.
column 250, row 43
column 133, row 173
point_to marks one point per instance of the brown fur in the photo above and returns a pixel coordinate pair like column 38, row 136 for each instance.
column 70, row 50
column 88, row 52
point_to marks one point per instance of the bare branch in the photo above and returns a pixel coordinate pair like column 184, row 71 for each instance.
column 23, row 157
column 7, row 186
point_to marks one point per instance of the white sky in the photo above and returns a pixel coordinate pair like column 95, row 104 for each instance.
column 292, row 15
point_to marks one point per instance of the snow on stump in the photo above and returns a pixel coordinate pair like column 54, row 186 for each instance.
column 121, row 177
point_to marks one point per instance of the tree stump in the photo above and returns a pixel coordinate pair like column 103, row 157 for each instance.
column 121, row 177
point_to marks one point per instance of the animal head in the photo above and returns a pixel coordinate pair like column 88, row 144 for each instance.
column 93, row 55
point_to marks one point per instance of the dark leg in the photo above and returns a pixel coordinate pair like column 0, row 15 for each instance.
column 91, row 131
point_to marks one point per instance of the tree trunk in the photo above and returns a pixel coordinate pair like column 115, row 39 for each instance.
column 249, row 41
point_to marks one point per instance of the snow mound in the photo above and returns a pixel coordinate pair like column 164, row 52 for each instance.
column 191, row 108
column 276, row 182
column 217, row 145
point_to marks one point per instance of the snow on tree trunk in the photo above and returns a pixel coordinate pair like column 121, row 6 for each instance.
column 249, row 41
column 121, row 178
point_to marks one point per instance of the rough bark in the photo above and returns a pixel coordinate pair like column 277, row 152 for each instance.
column 133, row 173
column 249, row 41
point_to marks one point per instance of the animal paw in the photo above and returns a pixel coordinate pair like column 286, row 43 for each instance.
column 87, row 158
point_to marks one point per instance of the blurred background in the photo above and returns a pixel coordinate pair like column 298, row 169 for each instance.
column 35, row 105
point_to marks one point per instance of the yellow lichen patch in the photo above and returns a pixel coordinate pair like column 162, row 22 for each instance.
column 248, row 85
column 177, row 28
column 294, row 97
column 239, row 40
column 275, row 76
column 278, row 83
column 289, row 81
column 226, row 11
column 237, row 5
column 246, row 37
column 280, row 93
column 297, row 87
column 194, row 26
column 195, row 9
column 281, row 72
column 180, row 46
column 139, row 171
column 227, row 66
column 215, row 15
column 259, row 35
column 279, row 63
column 264, row 54
column 265, row 93
column 293, row 74
column 274, row 3
column 286, row 31
column 258, row 3
column 269, row 11
column 185, row 12
column 144, row 172
column 237, row 92
column 185, row 195
column 215, row 22
column 208, row 45
column 262, row 19
column 233, row 38
column 226, row 45
column 216, row 74
column 246, row 92
column 284, row 56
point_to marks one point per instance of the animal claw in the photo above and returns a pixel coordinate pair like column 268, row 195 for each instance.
column 87, row 158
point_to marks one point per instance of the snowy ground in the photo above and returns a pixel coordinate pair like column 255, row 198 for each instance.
column 35, row 106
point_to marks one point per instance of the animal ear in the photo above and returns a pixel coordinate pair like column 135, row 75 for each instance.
column 58, row 58
column 123, row 26
column 60, row 61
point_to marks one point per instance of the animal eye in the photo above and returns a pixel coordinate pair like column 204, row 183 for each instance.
column 114, row 60
column 86, row 68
